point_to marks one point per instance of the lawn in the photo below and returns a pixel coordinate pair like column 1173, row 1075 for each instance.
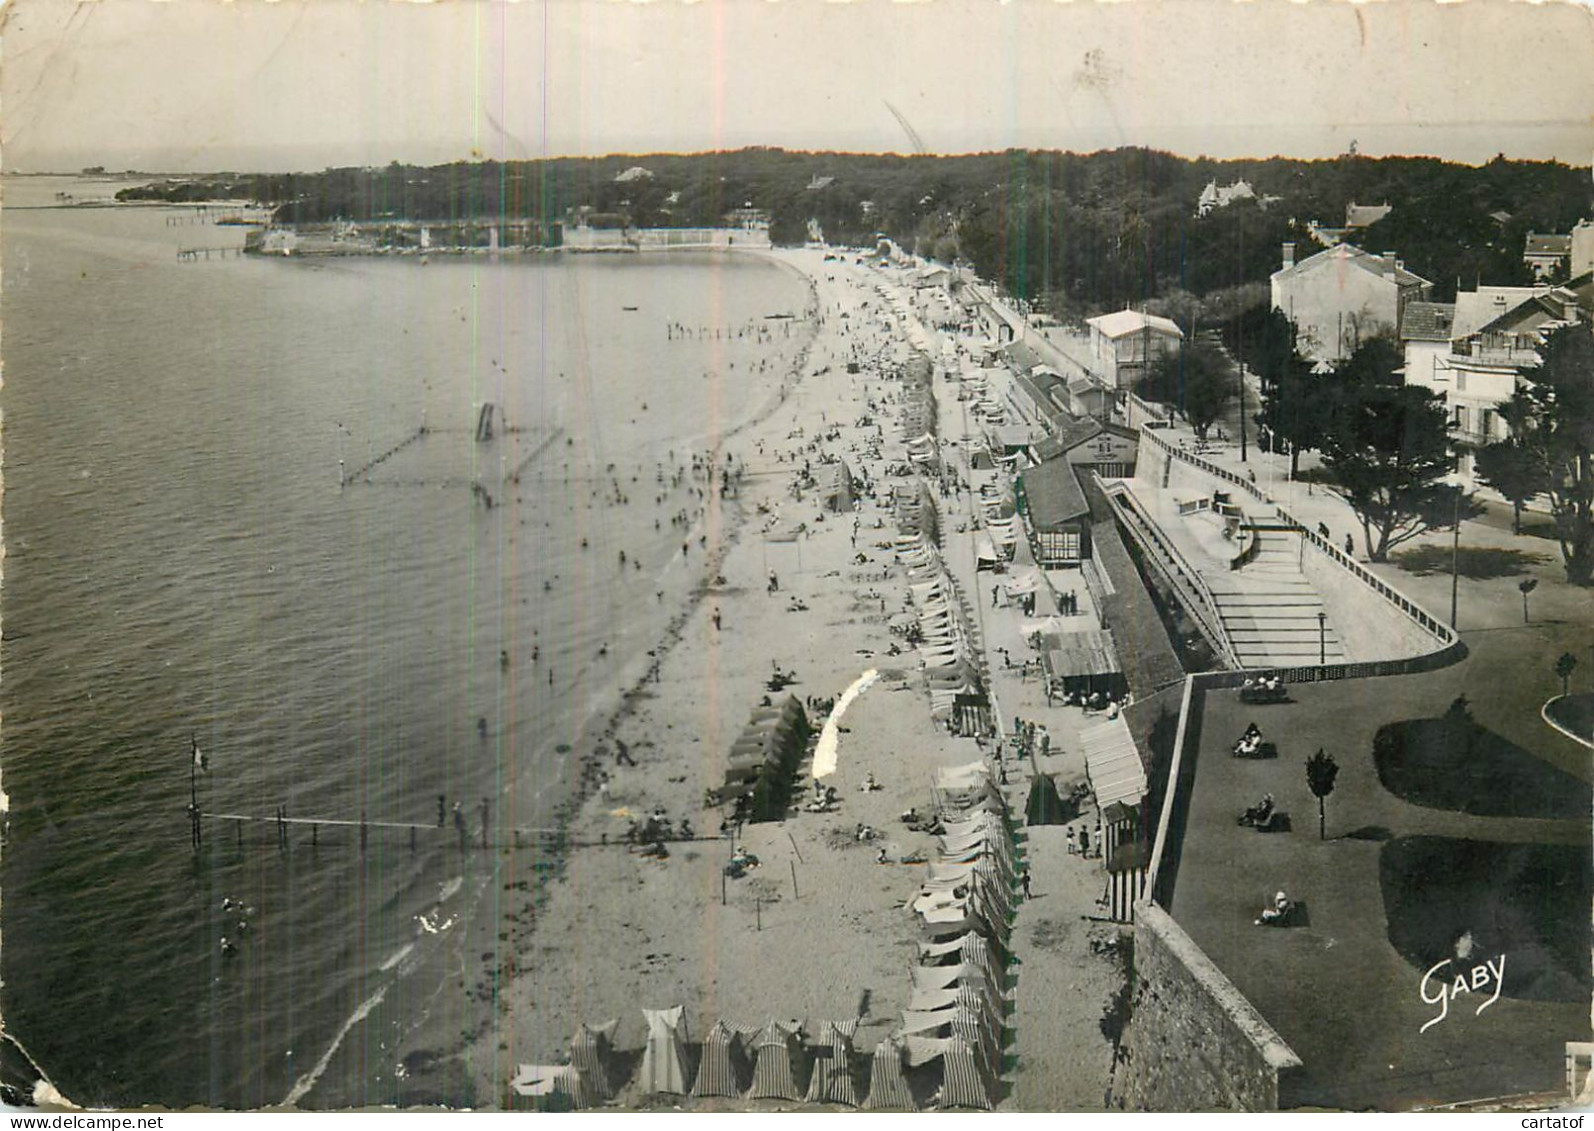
column 1528, row 902
column 1451, row 762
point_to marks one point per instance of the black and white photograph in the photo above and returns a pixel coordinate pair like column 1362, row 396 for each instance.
column 822, row 557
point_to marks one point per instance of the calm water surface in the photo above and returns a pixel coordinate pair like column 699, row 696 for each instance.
column 181, row 561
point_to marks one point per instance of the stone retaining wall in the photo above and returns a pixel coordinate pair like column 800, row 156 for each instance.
column 1195, row 1043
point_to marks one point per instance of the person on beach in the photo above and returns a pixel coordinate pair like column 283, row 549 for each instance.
column 716, row 618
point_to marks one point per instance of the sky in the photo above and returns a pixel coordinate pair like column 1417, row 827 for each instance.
column 200, row 85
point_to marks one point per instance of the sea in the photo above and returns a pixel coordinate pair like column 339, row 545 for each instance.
column 250, row 506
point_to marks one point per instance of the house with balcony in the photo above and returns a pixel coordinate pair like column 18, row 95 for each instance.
column 1473, row 352
column 1342, row 296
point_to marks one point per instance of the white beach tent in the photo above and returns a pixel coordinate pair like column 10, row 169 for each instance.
column 664, row 1057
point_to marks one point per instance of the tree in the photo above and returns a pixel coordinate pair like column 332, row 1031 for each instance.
column 1321, row 770
column 1197, row 379
column 1386, row 447
column 1510, row 469
column 1564, row 667
column 1293, row 407
column 1552, row 418
column 1526, row 585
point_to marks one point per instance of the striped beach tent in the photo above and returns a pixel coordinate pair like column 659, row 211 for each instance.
column 966, row 1078
column 550, row 1087
column 723, row 1066
column 591, row 1054
column 966, row 950
column 979, row 1031
column 779, row 1065
column 888, row 1080
column 833, row 1068
column 664, row 1057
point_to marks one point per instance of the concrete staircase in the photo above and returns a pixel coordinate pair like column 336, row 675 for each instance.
column 1270, row 611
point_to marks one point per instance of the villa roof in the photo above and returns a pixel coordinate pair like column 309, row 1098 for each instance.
column 1123, row 323
column 1538, row 244
column 1351, row 255
column 1428, row 321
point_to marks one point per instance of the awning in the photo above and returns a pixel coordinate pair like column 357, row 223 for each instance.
column 1113, row 764
column 1085, row 653
column 984, row 548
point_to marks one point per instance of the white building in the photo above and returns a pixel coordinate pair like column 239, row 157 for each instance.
column 1473, row 352
column 1340, row 297
column 1215, row 197
column 1123, row 344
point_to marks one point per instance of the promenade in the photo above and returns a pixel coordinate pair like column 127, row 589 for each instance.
column 1406, row 870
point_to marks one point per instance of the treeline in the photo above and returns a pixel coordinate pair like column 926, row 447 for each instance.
column 1073, row 233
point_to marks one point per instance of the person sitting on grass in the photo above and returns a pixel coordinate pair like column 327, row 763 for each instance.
column 1275, row 915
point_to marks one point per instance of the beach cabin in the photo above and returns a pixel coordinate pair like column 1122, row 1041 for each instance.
column 1081, row 663
column 1117, row 777
column 1056, row 513
column 1089, row 397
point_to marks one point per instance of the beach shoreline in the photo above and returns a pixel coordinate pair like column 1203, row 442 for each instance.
column 821, row 930
column 521, row 874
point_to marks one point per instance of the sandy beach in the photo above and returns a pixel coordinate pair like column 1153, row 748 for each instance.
column 820, row 930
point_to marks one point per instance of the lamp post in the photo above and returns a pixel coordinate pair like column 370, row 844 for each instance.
column 1455, row 559
column 1322, row 637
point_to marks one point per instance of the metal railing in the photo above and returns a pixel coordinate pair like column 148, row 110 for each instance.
column 1436, row 628
column 1180, row 574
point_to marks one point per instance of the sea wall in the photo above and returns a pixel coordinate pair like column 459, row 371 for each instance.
column 1195, row 1043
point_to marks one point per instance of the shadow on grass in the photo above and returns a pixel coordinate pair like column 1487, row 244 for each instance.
column 1479, row 563
column 1528, row 902
column 1368, row 832
column 1453, row 763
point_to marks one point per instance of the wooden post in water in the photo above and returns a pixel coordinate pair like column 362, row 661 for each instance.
column 363, row 830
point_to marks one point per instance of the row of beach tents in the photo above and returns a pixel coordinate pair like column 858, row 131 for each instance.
column 945, row 641
column 741, row 1062
column 957, row 1001
column 764, row 759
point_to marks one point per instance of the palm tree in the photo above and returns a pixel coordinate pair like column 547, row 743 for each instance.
column 1321, row 770
column 1564, row 668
